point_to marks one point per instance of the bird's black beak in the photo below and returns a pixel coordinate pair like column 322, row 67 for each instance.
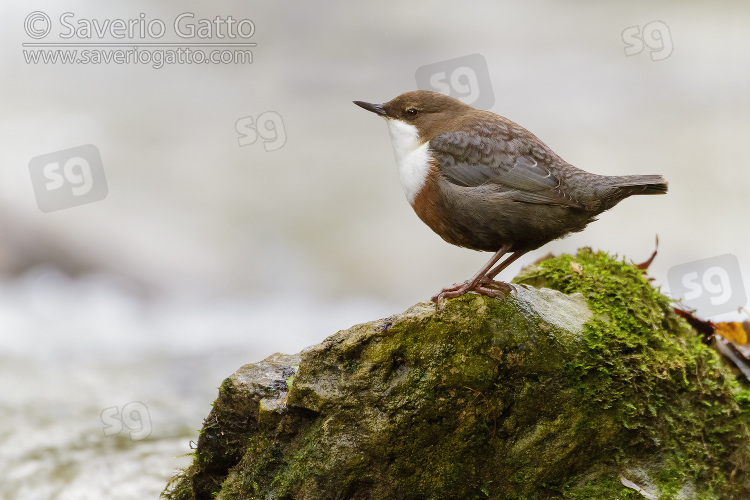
column 375, row 108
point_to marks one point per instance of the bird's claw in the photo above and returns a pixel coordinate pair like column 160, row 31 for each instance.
column 488, row 287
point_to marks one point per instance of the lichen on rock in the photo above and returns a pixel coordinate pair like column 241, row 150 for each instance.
column 582, row 376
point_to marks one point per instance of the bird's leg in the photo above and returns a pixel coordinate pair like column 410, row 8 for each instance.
column 476, row 282
column 487, row 283
column 490, row 275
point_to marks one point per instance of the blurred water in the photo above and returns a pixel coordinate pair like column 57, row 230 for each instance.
column 77, row 352
column 205, row 254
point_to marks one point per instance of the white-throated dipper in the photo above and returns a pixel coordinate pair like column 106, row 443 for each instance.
column 481, row 181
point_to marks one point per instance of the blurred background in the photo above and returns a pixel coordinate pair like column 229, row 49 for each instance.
column 240, row 209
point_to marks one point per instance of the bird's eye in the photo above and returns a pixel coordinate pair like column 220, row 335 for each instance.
column 411, row 112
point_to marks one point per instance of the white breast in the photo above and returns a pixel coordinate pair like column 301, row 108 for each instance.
column 412, row 157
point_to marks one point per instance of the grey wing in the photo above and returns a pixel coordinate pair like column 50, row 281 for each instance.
column 472, row 160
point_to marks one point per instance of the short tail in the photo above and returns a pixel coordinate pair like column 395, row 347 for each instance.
column 639, row 184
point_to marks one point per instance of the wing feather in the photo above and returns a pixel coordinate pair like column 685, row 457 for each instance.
column 470, row 159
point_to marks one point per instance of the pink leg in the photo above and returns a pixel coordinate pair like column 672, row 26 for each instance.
column 490, row 275
column 482, row 282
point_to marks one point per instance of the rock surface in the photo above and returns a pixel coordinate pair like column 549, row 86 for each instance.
column 570, row 391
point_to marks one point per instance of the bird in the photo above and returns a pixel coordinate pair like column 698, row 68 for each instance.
column 483, row 182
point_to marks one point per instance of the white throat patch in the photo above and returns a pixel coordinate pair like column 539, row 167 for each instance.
column 412, row 157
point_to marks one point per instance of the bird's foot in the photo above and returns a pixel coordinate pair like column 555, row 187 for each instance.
column 485, row 286
column 500, row 287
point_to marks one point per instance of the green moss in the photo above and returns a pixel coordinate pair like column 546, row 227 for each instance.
column 599, row 488
column 444, row 388
column 179, row 486
column 647, row 368
column 219, row 441
column 484, row 398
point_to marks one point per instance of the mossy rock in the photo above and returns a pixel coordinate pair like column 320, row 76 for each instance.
column 554, row 392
